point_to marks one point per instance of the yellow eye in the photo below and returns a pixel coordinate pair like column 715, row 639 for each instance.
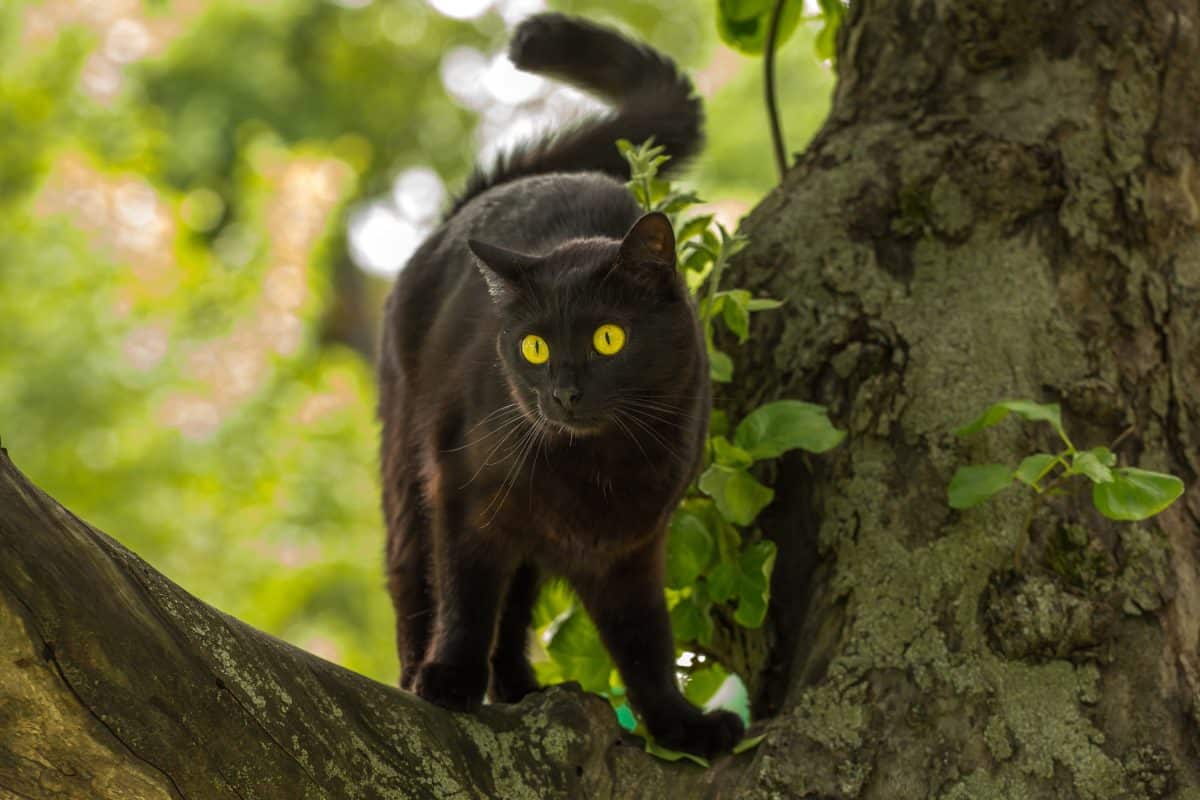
column 609, row 339
column 535, row 349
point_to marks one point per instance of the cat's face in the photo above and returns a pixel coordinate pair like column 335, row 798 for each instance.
column 597, row 334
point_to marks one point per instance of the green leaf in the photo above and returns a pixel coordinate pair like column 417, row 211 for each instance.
column 575, row 646
column 691, row 621
column 1034, row 412
column 730, row 455
column 693, row 227
column 743, row 23
column 723, row 582
column 738, row 496
column 971, row 485
column 1105, row 456
column 673, row 755
column 773, row 429
column 555, row 600
column 1087, row 463
column 749, row 743
column 675, row 202
column 736, row 314
column 746, row 580
column 763, row 304
column 702, row 683
column 754, row 589
column 720, row 366
column 825, row 45
column 718, row 423
column 690, row 549
column 1033, row 468
column 1136, row 494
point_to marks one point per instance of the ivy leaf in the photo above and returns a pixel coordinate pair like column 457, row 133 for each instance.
column 1034, row 412
column 1034, row 467
column 1136, row 494
column 971, row 485
column 720, row 366
column 691, row 622
column 690, row 549
column 1087, row 463
column 575, row 646
column 775, row 428
column 743, row 23
column 738, row 496
column 730, row 455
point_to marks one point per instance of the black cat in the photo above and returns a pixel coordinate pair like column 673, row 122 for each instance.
column 544, row 396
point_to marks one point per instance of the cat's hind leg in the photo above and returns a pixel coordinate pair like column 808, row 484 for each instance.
column 408, row 578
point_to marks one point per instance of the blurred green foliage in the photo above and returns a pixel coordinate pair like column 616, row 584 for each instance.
column 175, row 179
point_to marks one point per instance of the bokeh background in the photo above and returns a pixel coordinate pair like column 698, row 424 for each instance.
column 201, row 207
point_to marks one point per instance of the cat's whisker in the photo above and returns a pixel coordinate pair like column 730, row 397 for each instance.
column 655, row 417
column 633, row 418
column 616, row 418
column 510, row 478
column 503, row 424
column 487, row 460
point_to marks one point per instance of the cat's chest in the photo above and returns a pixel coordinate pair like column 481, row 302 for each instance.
column 594, row 507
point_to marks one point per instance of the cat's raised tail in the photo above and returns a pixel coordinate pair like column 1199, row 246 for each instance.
column 649, row 95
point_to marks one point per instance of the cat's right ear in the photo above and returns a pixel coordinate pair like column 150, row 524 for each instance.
column 502, row 269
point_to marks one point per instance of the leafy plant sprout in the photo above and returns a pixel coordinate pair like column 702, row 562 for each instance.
column 715, row 558
column 1120, row 493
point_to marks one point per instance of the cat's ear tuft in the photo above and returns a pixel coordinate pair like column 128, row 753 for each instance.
column 501, row 268
column 650, row 241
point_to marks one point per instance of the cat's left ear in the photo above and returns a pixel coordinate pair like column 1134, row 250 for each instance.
column 650, row 243
column 501, row 268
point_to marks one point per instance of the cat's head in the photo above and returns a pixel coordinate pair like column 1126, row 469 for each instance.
column 597, row 333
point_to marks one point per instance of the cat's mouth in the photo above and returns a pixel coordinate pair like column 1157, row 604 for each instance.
column 571, row 423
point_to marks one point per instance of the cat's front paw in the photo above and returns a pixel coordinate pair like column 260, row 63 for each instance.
column 451, row 686
column 705, row 735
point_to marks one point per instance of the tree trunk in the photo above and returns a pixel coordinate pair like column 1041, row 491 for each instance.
column 1004, row 203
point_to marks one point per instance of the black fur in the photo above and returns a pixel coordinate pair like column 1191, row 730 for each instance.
column 651, row 97
column 497, row 470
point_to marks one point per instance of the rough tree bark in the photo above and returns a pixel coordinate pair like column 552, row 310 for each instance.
column 1002, row 204
column 1005, row 202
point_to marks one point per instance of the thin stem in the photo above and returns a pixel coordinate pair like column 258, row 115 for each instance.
column 714, row 281
column 769, row 88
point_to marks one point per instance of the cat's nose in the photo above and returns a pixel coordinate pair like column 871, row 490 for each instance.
column 567, row 397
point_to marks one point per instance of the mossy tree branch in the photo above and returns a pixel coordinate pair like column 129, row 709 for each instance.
column 116, row 683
